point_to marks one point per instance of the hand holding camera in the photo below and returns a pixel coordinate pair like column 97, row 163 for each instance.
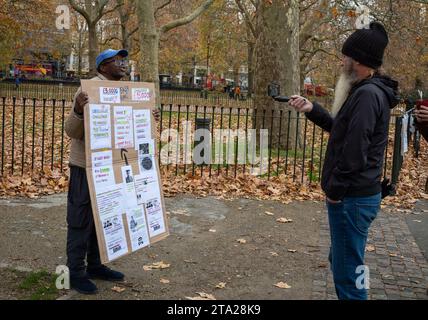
column 299, row 103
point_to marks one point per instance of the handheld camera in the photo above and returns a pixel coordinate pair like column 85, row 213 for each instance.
column 274, row 91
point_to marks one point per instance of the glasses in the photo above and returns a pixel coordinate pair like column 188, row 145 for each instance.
column 118, row 63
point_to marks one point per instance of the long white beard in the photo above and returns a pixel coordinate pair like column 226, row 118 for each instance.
column 341, row 92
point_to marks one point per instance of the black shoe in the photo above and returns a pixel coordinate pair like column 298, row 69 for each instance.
column 105, row 273
column 83, row 285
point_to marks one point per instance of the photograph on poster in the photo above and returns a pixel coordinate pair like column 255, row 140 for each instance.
column 146, row 163
column 127, row 175
column 128, row 187
column 146, row 147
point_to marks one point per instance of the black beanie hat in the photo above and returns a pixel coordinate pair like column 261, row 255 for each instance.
column 367, row 45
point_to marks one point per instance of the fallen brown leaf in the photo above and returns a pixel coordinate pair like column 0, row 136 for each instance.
column 370, row 248
column 221, row 285
column 202, row 296
column 118, row 289
column 282, row 285
column 156, row 265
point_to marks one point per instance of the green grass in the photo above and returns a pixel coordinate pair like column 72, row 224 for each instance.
column 39, row 285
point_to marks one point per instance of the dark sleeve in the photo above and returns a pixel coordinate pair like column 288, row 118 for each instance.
column 320, row 117
column 423, row 129
column 359, row 133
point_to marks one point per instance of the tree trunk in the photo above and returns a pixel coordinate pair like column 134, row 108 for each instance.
column 277, row 60
column 250, row 62
column 149, row 45
column 150, row 35
column 93, row 48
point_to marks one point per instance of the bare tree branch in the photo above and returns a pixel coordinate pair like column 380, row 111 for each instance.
column 304, row 8
column 110, row 39
column 179, row 22
column 132, row 32
column 162, row 6
column 79, row 9
column 103, row 13
column 246, row 14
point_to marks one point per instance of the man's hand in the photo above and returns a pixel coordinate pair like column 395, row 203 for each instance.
column 301, row 104
column 333, row 201
column 81, row 100
column 156, row 114
column 422, row 114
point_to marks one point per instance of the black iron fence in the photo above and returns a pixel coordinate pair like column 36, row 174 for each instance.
column 59, row 91
column 32, row 137
column 294, row 146
column 38, row 90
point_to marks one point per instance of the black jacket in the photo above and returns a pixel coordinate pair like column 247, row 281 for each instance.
column 358, row 137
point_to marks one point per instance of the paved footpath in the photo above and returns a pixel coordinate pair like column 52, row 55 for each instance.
column 397, row 262
column 273, row 252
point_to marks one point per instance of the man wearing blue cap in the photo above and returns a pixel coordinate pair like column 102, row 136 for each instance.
column 81, row 236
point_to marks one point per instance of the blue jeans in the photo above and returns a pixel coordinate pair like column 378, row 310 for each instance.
column 349, row 225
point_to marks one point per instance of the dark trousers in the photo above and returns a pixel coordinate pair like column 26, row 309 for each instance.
column 81, row 236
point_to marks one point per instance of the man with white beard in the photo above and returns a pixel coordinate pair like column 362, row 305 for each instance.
column 351, row 178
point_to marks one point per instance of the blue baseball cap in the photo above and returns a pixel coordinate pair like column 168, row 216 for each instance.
column 110, row 53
